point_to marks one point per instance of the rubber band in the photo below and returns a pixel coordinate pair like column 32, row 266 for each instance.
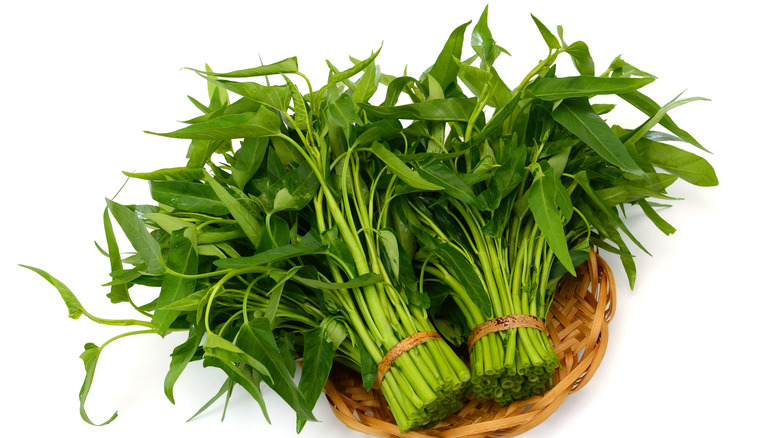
column 400, row 348
column 504, row 323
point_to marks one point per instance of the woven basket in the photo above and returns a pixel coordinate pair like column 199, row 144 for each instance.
column 577, row 328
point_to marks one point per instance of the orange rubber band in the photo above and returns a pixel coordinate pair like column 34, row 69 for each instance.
column 504, row 323
column 399, row 349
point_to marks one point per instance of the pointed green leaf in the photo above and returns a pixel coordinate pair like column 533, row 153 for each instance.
column 180, row 357
column 580, row 56
column 542, row 201
column 444, row 70
column 578, row 117
column 438, row 173
column 289, row 65
column 688, row 166
column 119, row 292
column 90, row 357
column 401, row 170
column 552, row 89
column 248, row 159
column 550, row 39
column 169, row 174
column 135, row 231
column 444, row 110
column 482, row 39
column 245, row 219
column 275, row 295
column 182, row 258
column 194, row 197
column 318, row 354
column 75, row 309
column 222, row 359
column 257, row 340
column 309, row 244
column 263, row 123
column 336, row 76
column 659, row 222
column 650, row 108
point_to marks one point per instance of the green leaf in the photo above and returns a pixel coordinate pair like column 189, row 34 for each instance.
column 654, row 119
column 482, row 39
column 336, row 76
column 498, row 119
column 299, row 105
column 200, row 151
column 189, row 303
column 343, row 113
column 182, row 258
column 620, row 68
column 401, row 170
column 582, row 179
column 289, row 65
column 275, row 295
column 368, row 370
column 135, row 231
column 475, row 79
column 404, row 277
column 195, row 197
column 396, row 87
column 460, row 267
column 181, row 357
column 169, row 174
column 245, row 219
column 318, row 354
column 688, row 166
column 650, row 108
column 226, row 388
column 248, row 159
column 438, row 173
column 75, row 309
column 659, row 222
column 549, row 38
column 309, row 244
column 273, row 96
column 293, row 191
column 119, row 292
column 542, row 201
column 578, row 117
column 367, row 85
column 552, row 89
column 263, row 123
column 90, row 357
column 357, row 282
column 577, row 257
column 257, row 340
column 456, row 109
column 632, row 191
column 508, row 176
column 222, row 354
column 445, row 70
column 580, row 56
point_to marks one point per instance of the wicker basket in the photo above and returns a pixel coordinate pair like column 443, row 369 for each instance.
column 577, row 327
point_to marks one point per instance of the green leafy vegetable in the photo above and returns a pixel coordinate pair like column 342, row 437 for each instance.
column 314, row 225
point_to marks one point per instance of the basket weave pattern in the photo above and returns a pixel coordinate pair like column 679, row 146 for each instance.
column 577, row 327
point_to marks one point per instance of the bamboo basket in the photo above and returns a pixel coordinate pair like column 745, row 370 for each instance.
column 577, row 327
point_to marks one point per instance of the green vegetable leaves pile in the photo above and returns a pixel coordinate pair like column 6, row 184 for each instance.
column 327, row 225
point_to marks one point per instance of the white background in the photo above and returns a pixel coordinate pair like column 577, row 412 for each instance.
column 692, row 348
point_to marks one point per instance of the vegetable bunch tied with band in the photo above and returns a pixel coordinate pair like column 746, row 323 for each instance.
column 417, row 237
column 525, row 192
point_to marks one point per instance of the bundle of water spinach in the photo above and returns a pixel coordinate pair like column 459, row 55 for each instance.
column 332, row 224
column 524, row 193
